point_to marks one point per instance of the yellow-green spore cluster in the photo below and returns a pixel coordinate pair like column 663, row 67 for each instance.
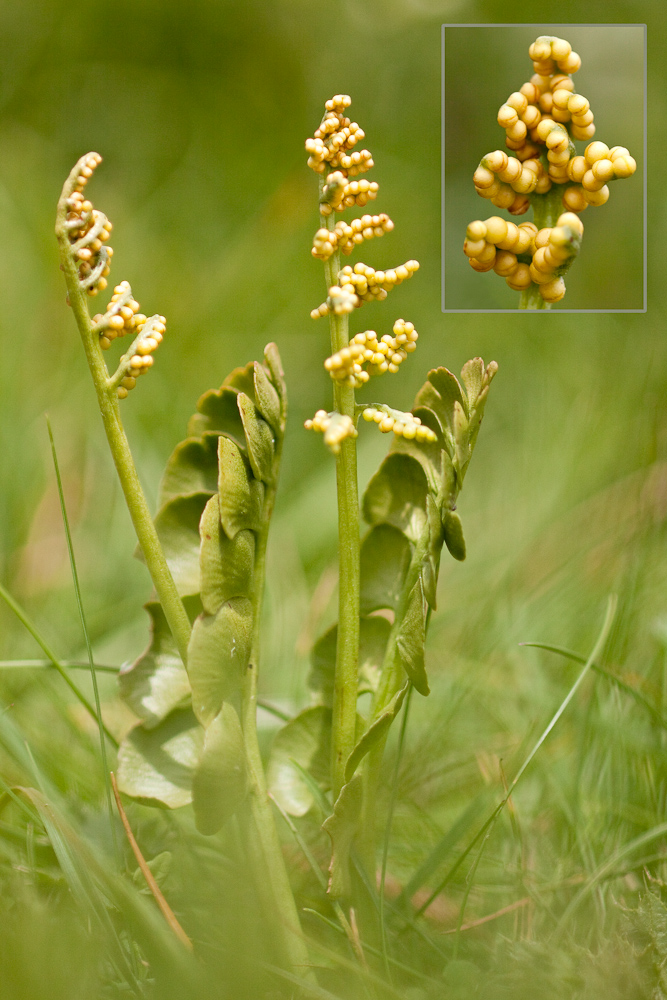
column 363, row 283
column 524, row 255
column 543, row 170
column 379, row 355
column 88, row 231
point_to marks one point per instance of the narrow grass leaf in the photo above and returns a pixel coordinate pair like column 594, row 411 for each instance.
column 84, row 628
column 53, row 659
column 597, row 649
column 604, row 870
column 609, row 674
column 48, row 665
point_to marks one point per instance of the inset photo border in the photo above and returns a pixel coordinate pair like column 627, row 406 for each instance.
column 603, row 268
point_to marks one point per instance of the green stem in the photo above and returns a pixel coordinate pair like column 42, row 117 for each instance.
column 107, row 399
column 273, row 883
column 347, row 650
column 546, row 210
column 531, row 298
column 547, row 207
column 391, row 678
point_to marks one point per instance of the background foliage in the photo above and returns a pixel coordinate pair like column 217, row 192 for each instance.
column 200, row 112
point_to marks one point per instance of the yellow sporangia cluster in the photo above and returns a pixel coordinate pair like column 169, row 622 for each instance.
column 83, row 232
column 346, row 236
column 120, row 318
column 332, row 149
column 541, row 120
column 336, row 136
column 335, row 427
column 402, row 424
column 360, row 284
column 332, row 154
column 591, row 172
column 139, row 360
column 88, row 232
column 386, row 354
column 494, row 244
column 339, row 193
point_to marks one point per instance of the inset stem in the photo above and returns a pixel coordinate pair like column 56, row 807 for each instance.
column 546, row 210
column 531, row 298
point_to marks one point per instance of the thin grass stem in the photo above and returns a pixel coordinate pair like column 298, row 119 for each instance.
column 388, row 825
column 597, row 649
column 162, row 903
column 53, row 659
column 89, row 649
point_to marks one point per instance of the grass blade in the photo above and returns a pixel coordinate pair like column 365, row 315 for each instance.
column 84, row 628
column 609, row 674
column 597, row 649
column 605, row 868
column 486, row 829
column 53, row 659
column 162, row 903
column 438, row 854
column 48, row 665
column 387, row 831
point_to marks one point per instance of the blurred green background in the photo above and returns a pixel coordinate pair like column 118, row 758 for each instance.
column 483, row 66
column 200, row 112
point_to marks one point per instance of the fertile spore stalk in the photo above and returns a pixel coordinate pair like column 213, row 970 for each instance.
column 238, row 430
column 82, row 232
column 351, row 364
column 409, row 504
column 542, row 171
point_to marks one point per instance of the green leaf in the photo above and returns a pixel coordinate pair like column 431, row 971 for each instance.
column 342, row 827
column 411, row 639
column 218, row 655
column 429, row 399
column 275, row 366
column 220, row 782
column 157, row 681
column 462, row 449
column 241, row 380
column 306, row 739
column 241, row 495
column 385, row 557
column 454, row 539
column 375, row 732
column 450, row 392
column 192, row 467
column 373, row 635
column 431, row 563
column 429, row 454
column 323, row 665
column 160, row 867
column 218, row 413
column 267, row 399
column 397, row 495
column 259, row 439
column 478, row 411
column 472, row 375
column 177, row 525
column 156, row 765
column 227, row 564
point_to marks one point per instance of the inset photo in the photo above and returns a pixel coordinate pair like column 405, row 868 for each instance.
column 544, row 188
